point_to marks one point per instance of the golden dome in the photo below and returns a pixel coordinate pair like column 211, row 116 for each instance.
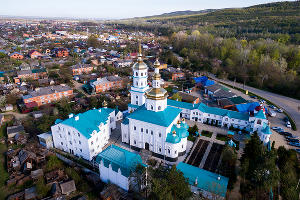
column 104, row 104
column 156, row 76
column 156, row 93
column 156, row 64
column 140, row 65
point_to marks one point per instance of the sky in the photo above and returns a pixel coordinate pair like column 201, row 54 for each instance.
column 114, row 9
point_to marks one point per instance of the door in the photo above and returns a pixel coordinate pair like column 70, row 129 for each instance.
column 147, row 146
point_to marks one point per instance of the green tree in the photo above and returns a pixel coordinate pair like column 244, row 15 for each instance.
column 176, row 97
column 92, row 41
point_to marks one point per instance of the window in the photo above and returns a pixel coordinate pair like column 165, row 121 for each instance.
column 134, row 142
column 134, row 128
column 141, row 74
column 79, row 142
column 62, row 143
column 78, row 135
column 59, row 128
column 146, row 130
column 151, row 132
column 136, row 102
column 69, row 133
column 169, row 151
column 159, row 149
column 142, row 129
column 226, row 119
column 159, row 134
column 151, row 107
column 136, row 74
column 60, row 136
column 175, row 152
column 182, row 146
column 159, row 107
column 136, row 97
column 124, row 136
column 92, row 142
column 70, row 142
column 80, row 150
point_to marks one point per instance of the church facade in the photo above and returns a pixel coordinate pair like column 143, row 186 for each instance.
column 152, row 124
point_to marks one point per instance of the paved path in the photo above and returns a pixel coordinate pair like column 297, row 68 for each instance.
column 290, row 105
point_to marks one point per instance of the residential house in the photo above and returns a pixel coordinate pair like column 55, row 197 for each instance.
column 12, row 131
column 217, row 91
column 231, row 102
column 176, row 73
column 116, row 165
column 34, row 54
column 107, row 83
column 189, row 98
column 45, row 95
column 60, row 52
column 123, row 63
column 46, row 140
column 16, row 55
column 33, row 74
column 24, row 66
column 85, row 134
column 79, row 69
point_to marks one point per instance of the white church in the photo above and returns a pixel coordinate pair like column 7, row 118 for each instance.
column 152, row 124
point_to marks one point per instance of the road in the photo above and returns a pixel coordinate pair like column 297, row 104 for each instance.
column 290, row 105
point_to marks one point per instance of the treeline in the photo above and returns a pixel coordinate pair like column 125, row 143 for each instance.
column 260, row 21
column 263, row 63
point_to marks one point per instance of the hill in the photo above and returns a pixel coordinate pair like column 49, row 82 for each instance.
column 259, row 21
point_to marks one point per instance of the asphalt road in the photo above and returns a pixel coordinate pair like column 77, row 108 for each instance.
column 290, row 105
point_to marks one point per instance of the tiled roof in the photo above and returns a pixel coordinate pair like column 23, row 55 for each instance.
column 47, row 90
column 206, row 180
column 88, row 121
column 119, row 158
column 162, row 118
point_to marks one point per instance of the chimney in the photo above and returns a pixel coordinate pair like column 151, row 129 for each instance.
column 76, row 118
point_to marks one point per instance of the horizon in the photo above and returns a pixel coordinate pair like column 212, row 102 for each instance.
column 102, row 11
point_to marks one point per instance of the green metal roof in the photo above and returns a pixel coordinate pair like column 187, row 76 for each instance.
column 180, row 104
column 38, row 70
column 88, row 121
column 238, row 100
column 162, row 118
column 181, row 132
column 119, row 158
column 206, row 180
column 260, row 114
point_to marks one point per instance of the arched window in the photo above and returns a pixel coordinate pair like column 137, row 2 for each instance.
column 151, row 107
column 259, row 121
column 137, row 83
column 141, row 74
column 136, row 74
column 159, row 107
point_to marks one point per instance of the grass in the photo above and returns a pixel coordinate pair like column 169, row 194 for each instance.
column 293, row 124
column 191, row 138
column 221, row 137
column 206, row 133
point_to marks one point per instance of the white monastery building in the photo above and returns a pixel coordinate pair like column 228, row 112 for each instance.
column 85, row 134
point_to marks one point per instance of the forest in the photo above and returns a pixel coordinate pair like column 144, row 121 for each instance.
column 262, row 63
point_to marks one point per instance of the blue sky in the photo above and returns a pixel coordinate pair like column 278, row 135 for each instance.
column 113, row 9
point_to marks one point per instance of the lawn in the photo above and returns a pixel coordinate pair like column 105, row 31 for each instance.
column 206, row 133
column 221, row 137
column 3, row 172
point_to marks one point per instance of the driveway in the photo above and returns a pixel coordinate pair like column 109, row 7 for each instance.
column 290, row 105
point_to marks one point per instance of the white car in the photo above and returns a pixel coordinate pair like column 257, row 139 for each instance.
column 280, row 110
column 288, row 124
column 276, row 128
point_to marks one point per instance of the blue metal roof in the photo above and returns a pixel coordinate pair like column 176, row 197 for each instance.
column 266, row 129
column 260, row 114
column 119, row 158
column 206, row 180
column 162, row 118
column 88, row 121
column 181, row 104
column 247, row 107
column 204, row 81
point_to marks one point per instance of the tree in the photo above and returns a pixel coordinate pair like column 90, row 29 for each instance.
column 169, row 184
column 2, row 101
column 176, row 97
column 192, row 130
column 92, row 41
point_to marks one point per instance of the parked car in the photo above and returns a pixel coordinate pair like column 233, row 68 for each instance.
column 292, row 137
column 253, row 97
column 286, row 133
column 279, row 110
column 271, row 113
column 275, row 128
column 293, row 140
column 262, row 101
column 288, row 124
column 285, row 119
column 295, row 144
column 272, row 106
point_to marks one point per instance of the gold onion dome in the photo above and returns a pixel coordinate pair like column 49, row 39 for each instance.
column 156, row 64
column 156, row 93
column 104, row 104
column 140, row 65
